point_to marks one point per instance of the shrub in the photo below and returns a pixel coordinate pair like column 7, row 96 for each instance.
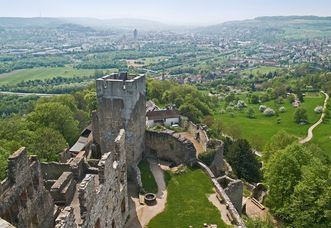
column 241, row 104
column 269, row 112
column 250, row 113
column 282, row 109
column 318, row 109
column 229, row 109
column 262, row 108
column 300, row 115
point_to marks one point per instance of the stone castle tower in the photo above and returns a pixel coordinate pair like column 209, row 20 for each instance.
column 121, row 104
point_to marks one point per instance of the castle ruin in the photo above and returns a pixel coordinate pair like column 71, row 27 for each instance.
column 89, row 187
column 121, row 104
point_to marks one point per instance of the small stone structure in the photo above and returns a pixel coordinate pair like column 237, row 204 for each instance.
column 121, row 104
column 169, row 146
column 234, row 189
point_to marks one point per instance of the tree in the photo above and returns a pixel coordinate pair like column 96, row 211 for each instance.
column 300, row 115
column 269, row 112
column 283, row 173
column 52, row 144
column 262, row 108
column 250, row 113
column 254, row 99
column 277, row 142
column 91, row 100
column 309, row 204
column 230, row 98
column 58, row 117
column 191, row 112
column 243, row 161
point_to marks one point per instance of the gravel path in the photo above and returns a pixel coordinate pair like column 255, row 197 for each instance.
column 310, row 130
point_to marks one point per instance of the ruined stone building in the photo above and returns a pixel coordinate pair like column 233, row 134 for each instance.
column 82, row 192
column 121, row 104
column 88, row 188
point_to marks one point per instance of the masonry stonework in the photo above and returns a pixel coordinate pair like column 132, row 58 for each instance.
column 121, row 104
column 169, row 146
column 24, row 200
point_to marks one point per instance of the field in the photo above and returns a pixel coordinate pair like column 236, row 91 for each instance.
column 260, row 129
column 145, row 61
column 187, row 202
column 42, row 73
column 322, row 135
column 260, row 70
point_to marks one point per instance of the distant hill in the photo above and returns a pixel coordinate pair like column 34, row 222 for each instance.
column 126, row 23
column 277, row 27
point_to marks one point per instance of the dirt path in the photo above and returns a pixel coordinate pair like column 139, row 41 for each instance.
column 221, row 207
column 310, row 130
column 143, row 213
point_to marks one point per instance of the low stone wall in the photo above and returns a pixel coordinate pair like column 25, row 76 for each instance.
column 200, row 134
column 169, row 146
column 232, row 210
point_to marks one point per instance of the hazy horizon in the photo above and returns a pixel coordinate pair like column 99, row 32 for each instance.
column 172, row 12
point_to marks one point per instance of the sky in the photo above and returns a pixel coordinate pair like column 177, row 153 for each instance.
column 184, row 12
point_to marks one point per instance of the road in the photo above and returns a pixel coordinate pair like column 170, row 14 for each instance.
column 310, row 130
column 29, row 94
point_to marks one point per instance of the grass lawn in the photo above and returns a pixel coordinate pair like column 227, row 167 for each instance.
column 260, row 70
column 187, row 202
column 322, row 135
column 42, row 73
column 260, row 129
column 147, row 177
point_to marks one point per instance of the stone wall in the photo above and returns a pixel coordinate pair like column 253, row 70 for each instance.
column 103, row 198
column 234, row 189
column 221, row 192
column 121, row 104
column 199, row 133
column 24, row 200
column 217, row 166
column 169, row 146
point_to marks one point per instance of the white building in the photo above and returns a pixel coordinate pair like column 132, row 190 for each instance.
column 166, row 117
